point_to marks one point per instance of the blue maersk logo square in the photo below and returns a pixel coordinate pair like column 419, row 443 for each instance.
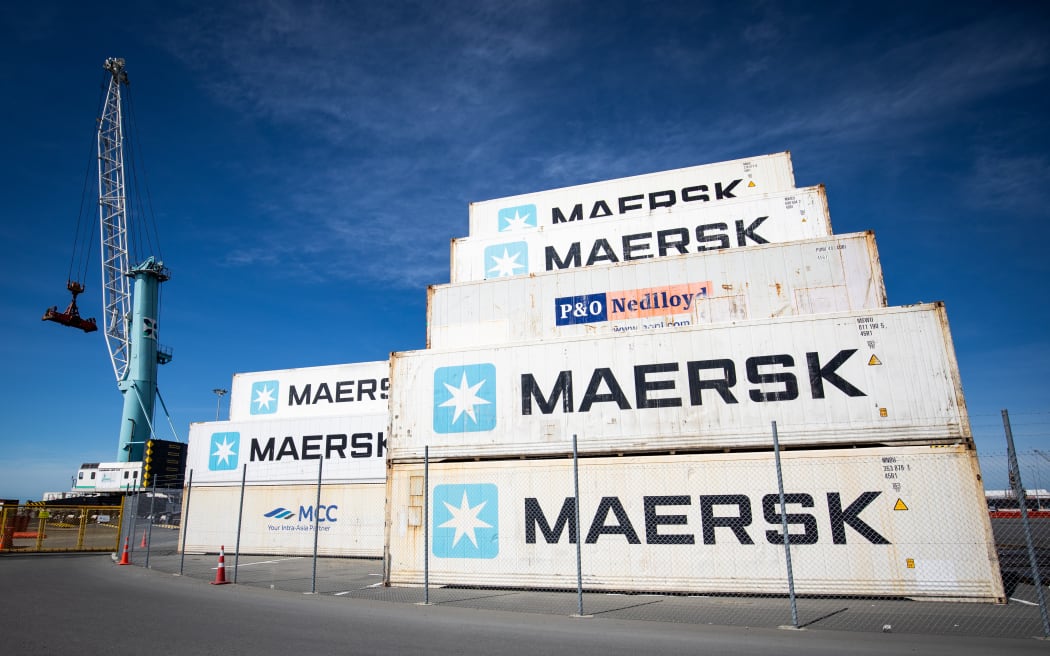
column 509, row 259
column 521, row 217
column 465, row 398
column 224, row 449
column 264, row 397
column 466, row 521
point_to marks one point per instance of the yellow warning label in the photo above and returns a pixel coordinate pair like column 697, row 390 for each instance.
column 899, row 505
column 874, row 361
column 883, row 412
column 910, row 562
column 751, row 184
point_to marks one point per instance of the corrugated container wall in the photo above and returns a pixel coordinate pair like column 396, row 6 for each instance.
column 881, row 376
column 772, row 218
column 831, row 274
column 281, row 519
column 641, row 195
column 334, row 390
column 704, row 524
column 267, row 452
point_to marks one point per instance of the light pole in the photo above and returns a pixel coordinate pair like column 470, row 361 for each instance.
column 219, row 393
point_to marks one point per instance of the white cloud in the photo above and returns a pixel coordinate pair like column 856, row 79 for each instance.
column 398, row 109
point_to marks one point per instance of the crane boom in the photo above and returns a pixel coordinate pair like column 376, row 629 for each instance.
column 116, row 290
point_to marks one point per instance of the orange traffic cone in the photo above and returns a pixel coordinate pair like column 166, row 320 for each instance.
column 124, row 560
column 143, row 545
column 220, row 572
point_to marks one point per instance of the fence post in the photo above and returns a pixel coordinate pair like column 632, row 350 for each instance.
column 133, row 501
column 81, row 528
column 784, row 528
column 317, row 525
column 120, row 522
column 1015, row 478
column 240, row 516
column 149, row 531
column 5, row 537
column 426, row 524
column 576, row 497
column 186, row 513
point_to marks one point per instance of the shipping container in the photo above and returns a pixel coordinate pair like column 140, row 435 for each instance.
column 898, row 522
column 333, row 390
column 637, row 196
column 351, row 448
column 282, row 519
column 830, row 274
column 769, row 218
column 879, row 376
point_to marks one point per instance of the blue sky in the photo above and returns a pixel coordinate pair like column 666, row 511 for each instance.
column 308, row 163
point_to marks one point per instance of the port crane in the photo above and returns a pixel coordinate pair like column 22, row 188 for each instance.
column 131, row 301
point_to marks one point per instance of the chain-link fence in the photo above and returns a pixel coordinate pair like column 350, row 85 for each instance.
column 262, row 524
column 881, row 539
column 923, row 539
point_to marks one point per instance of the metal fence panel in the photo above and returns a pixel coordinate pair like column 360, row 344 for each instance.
column 60, row 528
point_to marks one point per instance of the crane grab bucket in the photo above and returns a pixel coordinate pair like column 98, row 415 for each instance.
column 71, row 317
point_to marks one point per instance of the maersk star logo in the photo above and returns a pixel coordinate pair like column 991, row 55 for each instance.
column 510, row 259
column 224, row 448
column 466, row 521
column 465, row 398
column 264, row 397
column 512, row 219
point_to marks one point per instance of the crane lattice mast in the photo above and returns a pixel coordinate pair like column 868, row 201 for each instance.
column 116, row 290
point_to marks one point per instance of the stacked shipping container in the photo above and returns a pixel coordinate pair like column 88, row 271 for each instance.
column 287, row 428
column 667, row 320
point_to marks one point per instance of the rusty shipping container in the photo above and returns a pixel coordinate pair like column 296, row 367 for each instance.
column 283, row 519
column 769, row 218
column 830, row 274
column 289, row 451
column 333, row 390
column 637, row 196
column 897, row 522
column 879, row 376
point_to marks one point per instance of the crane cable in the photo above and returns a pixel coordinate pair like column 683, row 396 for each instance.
column 144, row 237
column 82, row 244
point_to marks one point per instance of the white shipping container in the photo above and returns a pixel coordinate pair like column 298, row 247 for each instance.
column 881, row 376
column 771, row 218
column 640, row 195
column 900, row 522
column 282, row 519
column 830, row 274
column 334, row 390
column 352, row 448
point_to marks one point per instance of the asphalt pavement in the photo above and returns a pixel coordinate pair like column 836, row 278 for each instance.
column 57, row 603
column 362, row 579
